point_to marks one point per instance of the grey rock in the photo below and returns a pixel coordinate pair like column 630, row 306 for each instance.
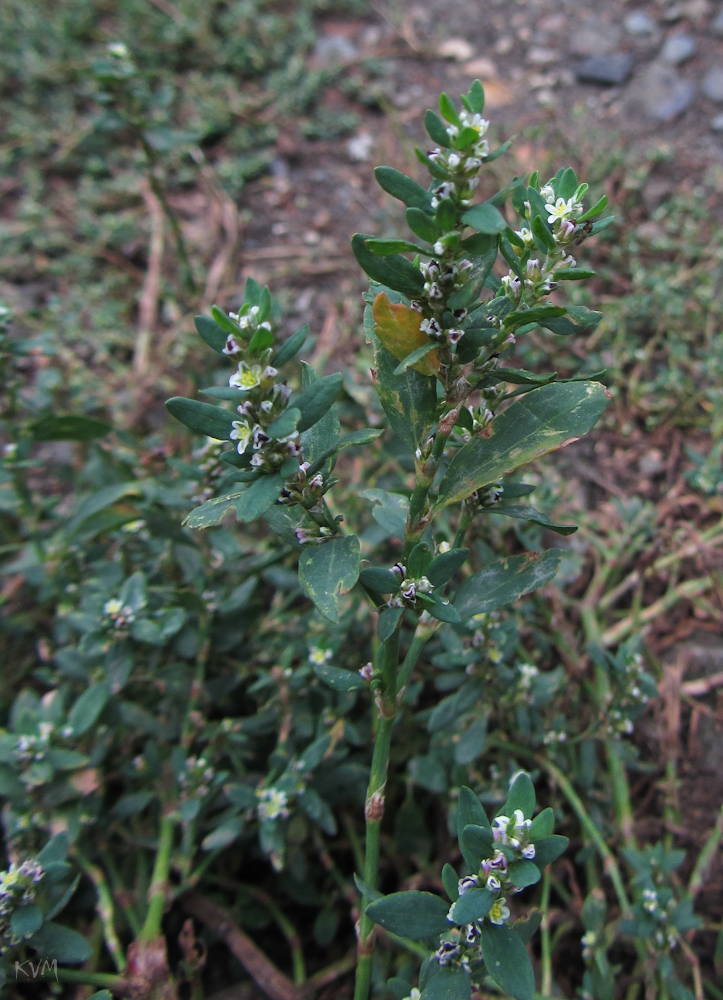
column 717, row 25
column 637, row 22
column 610, row 70
column 334, row 49
column 678, row 48
column 712, row 85
column 717, row 123
column 665, row 95
column 594, row 39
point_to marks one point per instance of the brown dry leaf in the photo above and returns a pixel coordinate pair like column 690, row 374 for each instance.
column 86, row 781
column 482, row 69
column 398, row 328
column 497, row 94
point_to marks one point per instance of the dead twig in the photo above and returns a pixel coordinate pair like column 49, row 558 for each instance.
column 262, row 970
column 148, row 302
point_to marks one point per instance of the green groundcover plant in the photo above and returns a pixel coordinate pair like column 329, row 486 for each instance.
column 203, row 705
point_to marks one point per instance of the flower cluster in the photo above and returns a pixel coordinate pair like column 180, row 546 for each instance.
column 211, row 468
column 631, row 688
column 535, row 276
column 18, row 886
column 410, row 588
column 265, row 399
column 33, row 747
column 461, row 945
column 272, row 804
column 195, row 778
column 120, row 615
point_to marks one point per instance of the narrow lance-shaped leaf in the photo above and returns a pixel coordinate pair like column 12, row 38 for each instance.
column 395, row 272
column 202, row 418
column 415, row 915
column 504, row 580
column 545, row 419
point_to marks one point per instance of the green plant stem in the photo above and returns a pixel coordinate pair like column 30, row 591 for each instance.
column 609, row 862
column 546, row 979
column 708, row 851
column 287, row 929
column 159, row 880
column 421, row 636
column 104, row 909
column 105, row 980
column 465, row 520
column 374, row 810
column 621, row 794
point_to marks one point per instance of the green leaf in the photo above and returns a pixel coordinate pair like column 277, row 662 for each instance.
column 446, row 214
column 322, row 438
column 211, row 333
column 285, row 424
column 485, row 218
column 532, row 515
column 291, row 347
column 472, row 742
column 385, row 248
column 436, row 129
column 395, row 272
column 470, row 813
column 521, row 796
column 69, row 428
column 316, row 399
column 574, row 274
column 202, row 418
column 577, row 320
column 415, row 915
column 504, row 580
column 261, row 340
column 364, row 436
column 101, row 995
column 429, row 772
column 476, row 842
column 537, row 314
column 26, row 920
column 423, row 225
column 550, row 849
column 258, row 497
column 447, row 984
column 507, row 961
column 212, row 511
column 225, row 833
column 448, row 110
column 378, row 579
column 443, row 610
column 473, row 905
column 327, row 571
column 450, row 880
column 476, row 97
column 53, row 941
column 222, row 392
column 445, row 565
column 227, row 324
column 55, row 850
column 414, row 357
column 398, row 185
column 450, row 708
column 390, row 510
column 597, row 227
column 338, row 680
column 499, row 151
column 541, row 421
column 595, row 210
column 526, row 929
column 524, row 873
column 515, row 376
column 132, row 804
column 388, row 621
column 87, row 708
column 542, row 825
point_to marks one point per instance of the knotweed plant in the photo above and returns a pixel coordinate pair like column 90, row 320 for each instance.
column 443, row 321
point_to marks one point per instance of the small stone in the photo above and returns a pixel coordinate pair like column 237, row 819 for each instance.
column 713, row 84
column 456, row 48
column 595, row 38
column 678, row 48
column 360, row 147
column 481, row 69
column 638, row 23
column 334, row 49
column 610, row 70
column 717, row 123
column 665, row 96
column 717, row 25
column 539, row 56
column 504, row 45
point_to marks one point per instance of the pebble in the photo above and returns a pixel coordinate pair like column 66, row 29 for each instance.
column 610, row 70
column 482, row 68
column 678, row 48
column 713, row 84
column 665, row 94
column 717, row 25
column 595, row 39
column 360, row 147
column 334, row 49
column 638, row 23
column 717, row 123
column 539, row 56
column 456, row 48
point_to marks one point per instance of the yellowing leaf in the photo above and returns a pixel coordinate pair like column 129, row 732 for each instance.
column 398, row 328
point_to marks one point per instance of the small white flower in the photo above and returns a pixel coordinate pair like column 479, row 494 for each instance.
column 548, row 192
column 247, row 377
column 528, row 852
column 272, row 804
column 500, row 912
column 439, row 248
column 525, row 235
column 453, row 161
column 113, row 607
column 240, row 432
column 561, row 210
column 319, row 656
